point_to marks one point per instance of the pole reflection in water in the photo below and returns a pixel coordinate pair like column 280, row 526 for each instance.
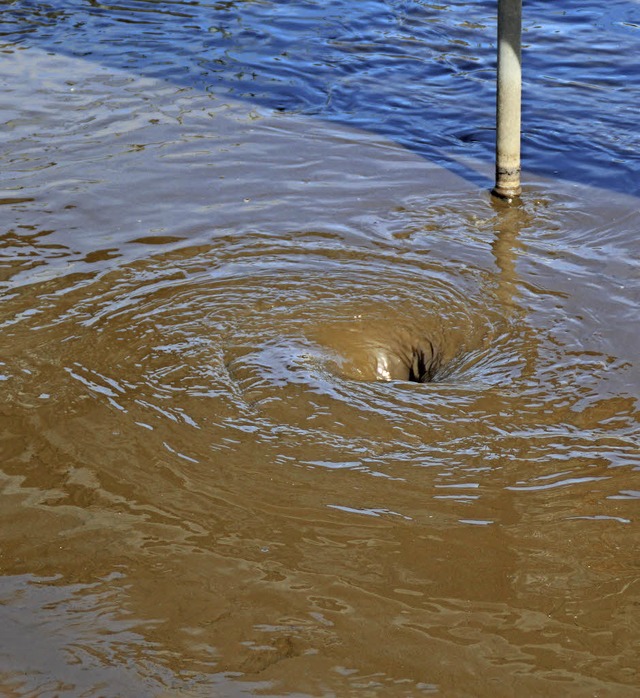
column 506, row 247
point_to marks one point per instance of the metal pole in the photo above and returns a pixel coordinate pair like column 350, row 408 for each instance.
column 508, row 100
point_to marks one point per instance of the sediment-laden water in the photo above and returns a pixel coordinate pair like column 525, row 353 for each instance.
column 289, row 406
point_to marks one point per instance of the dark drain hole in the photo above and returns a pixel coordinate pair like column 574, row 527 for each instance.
column 424, row 365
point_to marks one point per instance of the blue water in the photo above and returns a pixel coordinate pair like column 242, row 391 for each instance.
column 419, row 73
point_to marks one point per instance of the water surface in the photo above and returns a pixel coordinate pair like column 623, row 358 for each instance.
column 227, row 228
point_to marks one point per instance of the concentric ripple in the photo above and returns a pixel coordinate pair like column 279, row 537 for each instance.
column 290, row 334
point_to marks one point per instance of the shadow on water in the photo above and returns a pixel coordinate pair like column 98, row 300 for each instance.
column 418, row 73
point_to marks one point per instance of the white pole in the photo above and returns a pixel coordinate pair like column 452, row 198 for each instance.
column 509, row 91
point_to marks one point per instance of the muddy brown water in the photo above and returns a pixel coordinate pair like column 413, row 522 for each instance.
column 221, row 473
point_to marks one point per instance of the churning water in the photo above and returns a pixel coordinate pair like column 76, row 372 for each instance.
column 289, row 405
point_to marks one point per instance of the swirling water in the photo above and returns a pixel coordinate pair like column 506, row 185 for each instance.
column 227, row 230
